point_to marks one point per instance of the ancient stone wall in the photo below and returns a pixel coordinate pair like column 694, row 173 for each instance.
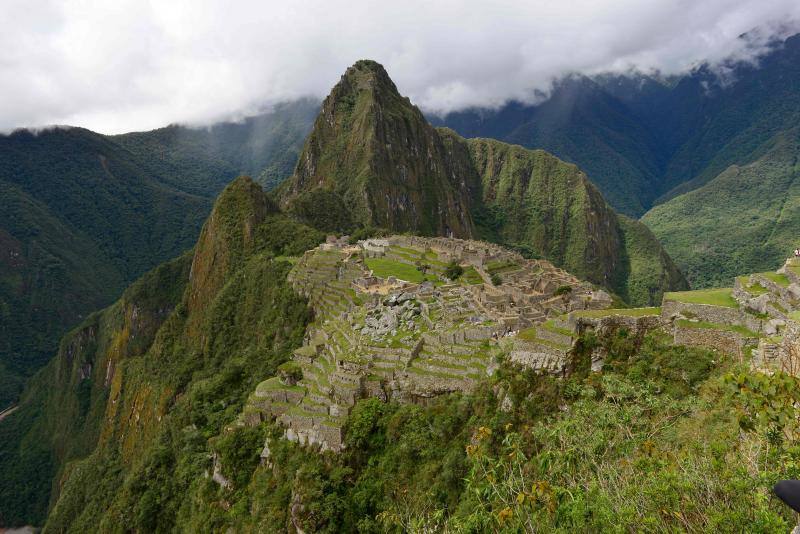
column 671, row 309
column 724, row 341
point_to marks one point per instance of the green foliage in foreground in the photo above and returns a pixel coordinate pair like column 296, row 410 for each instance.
column 663, row 440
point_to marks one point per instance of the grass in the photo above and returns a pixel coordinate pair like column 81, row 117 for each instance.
column 291, row 259
column 627, row 312
column 713, row 297
column 384, row 268
column 274, row 384
column 777, row 278
column 529, row 334
column 795, row 315
column 471, row 276
column 715, row 326
column 501, row 266
column 550, row 325
column 754, row 289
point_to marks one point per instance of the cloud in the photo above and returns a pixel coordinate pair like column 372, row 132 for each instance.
column 124, row 65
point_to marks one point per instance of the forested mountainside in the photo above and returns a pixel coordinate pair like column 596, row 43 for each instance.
column 743, row 220
column 85, row 214
column 372, row 160
column 141, row 421
column 642, row 138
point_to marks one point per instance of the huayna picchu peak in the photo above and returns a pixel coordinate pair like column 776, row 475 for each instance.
column 373, row 160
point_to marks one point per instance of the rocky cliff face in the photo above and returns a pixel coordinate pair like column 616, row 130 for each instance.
column 540, row 204
column 227, row 237
column 380, row 160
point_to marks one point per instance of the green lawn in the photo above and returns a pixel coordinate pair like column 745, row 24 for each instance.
column 755, row 289
column 550, row 325
column 795, row 315
column 384, row 268
column 471, row 276
column 529, row 334
column 779, row 279
column 714, row 297
column 501, row 266
column 291, row 259
column 714, row 326
column 627, row 312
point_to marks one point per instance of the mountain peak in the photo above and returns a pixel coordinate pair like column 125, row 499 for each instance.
column 227, row 236
column 373, row 159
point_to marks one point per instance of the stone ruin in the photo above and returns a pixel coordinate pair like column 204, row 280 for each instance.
column 764, row 322
column 409, row 341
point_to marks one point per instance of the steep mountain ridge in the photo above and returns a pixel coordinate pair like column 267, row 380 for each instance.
column 372, row 155
column 580, row 123
column 206, row 325
column 85, row 214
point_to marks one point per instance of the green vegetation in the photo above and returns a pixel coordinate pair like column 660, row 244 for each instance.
column 86, row 214
column 754, row 289
column 466, row 188
column 639, row 446
column 453, row 270
column 643, row 139
column 715, row 326
column 563, row 290
column 471, row 276
column 713, row 297
column 385, row 267
column 501, row 266
column 516, row 182
column 361, row 178
column 496, row 279
column 591, row 452
column 751, row 209
column 777, row 278
column 198, row 349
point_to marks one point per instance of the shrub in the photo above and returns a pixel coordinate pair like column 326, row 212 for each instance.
column 496, row 279
column 564, row 290
column 453, row 270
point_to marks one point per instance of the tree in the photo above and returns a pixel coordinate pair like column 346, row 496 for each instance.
column 453, row 270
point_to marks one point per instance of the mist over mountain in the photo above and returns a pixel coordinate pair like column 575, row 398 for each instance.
column 643, row 139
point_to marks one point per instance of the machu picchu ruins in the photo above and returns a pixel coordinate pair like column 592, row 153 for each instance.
column 390, row 324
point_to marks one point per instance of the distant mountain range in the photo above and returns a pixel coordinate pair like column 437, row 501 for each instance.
column 645, row 142
column 643, row 139
column 85, row 214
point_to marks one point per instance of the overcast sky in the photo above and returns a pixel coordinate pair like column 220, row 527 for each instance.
column 126, row 65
